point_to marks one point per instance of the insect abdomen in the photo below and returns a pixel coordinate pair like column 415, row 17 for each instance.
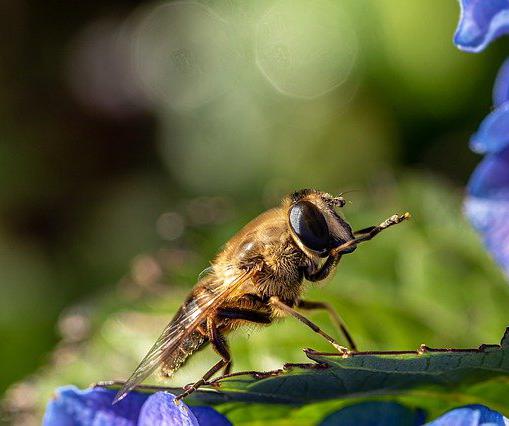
column 178, row 357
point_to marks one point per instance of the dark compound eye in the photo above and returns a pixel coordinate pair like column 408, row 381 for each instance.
column 310, row 226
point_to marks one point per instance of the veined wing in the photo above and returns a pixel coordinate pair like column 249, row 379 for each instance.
column 177, row 330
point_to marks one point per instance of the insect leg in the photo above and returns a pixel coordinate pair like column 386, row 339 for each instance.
column 369, row 233
column 220, row 346
column 275, row 302
column 360, row 236
column 364, row 231
column 336, row 319
column 227, row 368
column 324, row 270
column 190, row 389
column 250, row 315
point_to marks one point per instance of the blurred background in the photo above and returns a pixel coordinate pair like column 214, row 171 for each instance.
column 137, row 137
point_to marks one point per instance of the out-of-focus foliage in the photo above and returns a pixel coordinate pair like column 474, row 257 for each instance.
column 413, row 284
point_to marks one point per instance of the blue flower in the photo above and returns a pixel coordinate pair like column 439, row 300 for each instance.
column 160, row 409
column 493, row 133
column 487, row 201
column 481, row 22
column 487, row 205
column 501, row 88
column 74, row 407
column 471, row 415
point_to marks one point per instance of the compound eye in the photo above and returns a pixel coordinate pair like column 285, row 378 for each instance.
column 310, row 226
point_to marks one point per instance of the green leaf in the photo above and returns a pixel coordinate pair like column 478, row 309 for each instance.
column 363, row 374
column 431, row 379
column 435, row 379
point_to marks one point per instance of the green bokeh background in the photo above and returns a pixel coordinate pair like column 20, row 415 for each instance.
column 137, row 137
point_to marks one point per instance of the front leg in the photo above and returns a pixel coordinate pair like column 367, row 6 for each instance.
column 313, row 275
column 369, row 233
column 366, row 234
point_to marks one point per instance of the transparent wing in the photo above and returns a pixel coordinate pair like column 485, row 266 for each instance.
column 186, row 321
column 205, row 272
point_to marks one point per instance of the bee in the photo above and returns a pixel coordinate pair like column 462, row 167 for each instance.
column 258, row 278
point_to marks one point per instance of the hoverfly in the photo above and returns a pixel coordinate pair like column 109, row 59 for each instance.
column 258, row 278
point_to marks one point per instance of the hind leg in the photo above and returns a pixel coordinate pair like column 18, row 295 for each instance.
column 220, row 346
column 249, row 315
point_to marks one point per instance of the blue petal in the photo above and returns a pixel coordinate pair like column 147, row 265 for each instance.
column 501, row 87
column 470, row 415
column 493, row 133
column 375, row 413
column 74, row 407
column 491, row 220
column 207, row 416
column 161, row 409
column 487, row 205
column 491, row 178
column 481, row 21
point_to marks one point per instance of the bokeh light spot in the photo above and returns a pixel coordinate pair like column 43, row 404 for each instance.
column 305, row 48
column 183, row 54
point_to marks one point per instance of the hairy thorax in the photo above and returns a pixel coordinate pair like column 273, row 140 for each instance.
column 281, row 274
column 266, row 243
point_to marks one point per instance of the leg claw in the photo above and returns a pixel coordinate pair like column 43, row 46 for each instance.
column 395, row 219
column 341, row 349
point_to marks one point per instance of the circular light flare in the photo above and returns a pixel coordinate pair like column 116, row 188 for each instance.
column 306, row 48
column 183, row 54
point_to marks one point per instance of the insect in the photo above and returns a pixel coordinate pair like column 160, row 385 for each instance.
column 258, row 278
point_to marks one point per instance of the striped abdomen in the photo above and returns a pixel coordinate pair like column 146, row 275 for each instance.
column 189, row 343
